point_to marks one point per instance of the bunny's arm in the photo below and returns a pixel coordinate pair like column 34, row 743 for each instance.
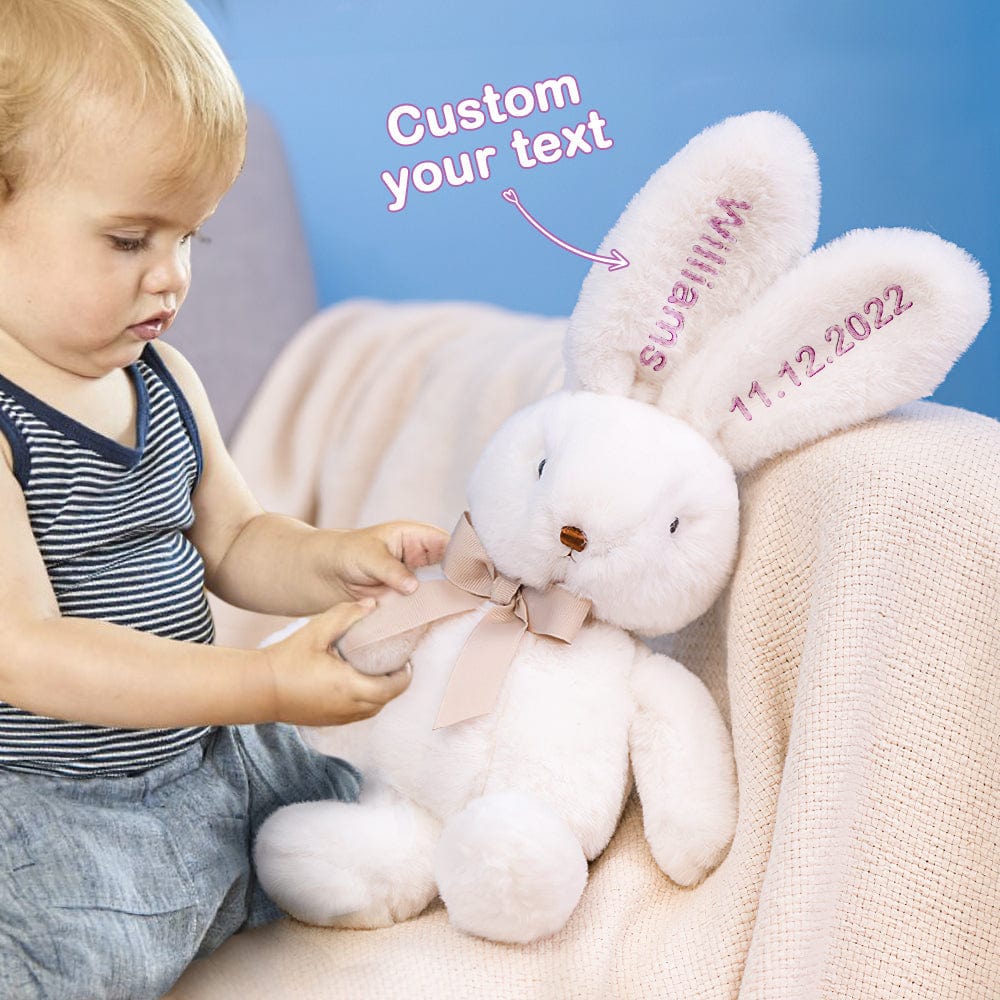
column 383, row 655
column 370, row 657
column 682, row 759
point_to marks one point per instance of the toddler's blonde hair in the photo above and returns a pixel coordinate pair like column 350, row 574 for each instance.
column 140, row 54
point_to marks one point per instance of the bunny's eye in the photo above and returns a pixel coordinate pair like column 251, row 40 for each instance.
column 541, row 465
column 673, row 524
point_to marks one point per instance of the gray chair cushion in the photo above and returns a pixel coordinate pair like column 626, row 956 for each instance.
column 253, row 284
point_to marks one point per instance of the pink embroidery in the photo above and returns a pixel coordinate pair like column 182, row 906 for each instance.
column 900, row 308
column 761, row 395
column 701, row 264
column 657, row 356
column 709, row 255
column 698, row 278
column 838, row 330
column 737, row 402
column 683, row 295
column 665, row 341
column 787, row 369
column 857, row 326
column 810, row 371
column 719, row 225
column 879, row 306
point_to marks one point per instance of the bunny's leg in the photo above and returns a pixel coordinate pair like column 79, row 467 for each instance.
column 509, row 868
column 349, row 864
column 682, row 758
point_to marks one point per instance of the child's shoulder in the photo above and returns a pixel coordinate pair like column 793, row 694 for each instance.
column 184, row 374
column 175, row 362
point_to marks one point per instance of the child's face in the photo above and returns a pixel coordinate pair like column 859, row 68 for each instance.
column 95, row 253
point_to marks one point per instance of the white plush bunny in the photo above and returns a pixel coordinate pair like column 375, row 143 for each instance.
column 720, row 346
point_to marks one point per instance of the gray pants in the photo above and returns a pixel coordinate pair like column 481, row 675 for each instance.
column 109, row 887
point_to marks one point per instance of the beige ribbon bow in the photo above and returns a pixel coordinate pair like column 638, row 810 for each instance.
column 478, row 674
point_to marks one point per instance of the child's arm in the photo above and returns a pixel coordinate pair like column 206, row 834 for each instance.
column 104, row 674
column 276, row 564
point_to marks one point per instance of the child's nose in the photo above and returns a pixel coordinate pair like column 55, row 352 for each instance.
column 170, row 273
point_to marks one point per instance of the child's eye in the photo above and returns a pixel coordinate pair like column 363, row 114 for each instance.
column 129, row 244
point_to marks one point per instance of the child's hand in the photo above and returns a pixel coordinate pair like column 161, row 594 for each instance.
column 313, row 686
column 369, row 561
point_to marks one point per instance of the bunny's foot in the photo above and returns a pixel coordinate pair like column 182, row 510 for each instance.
column 345, row 864
column 509, row 868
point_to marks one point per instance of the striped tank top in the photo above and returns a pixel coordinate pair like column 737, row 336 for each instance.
column 109, row 521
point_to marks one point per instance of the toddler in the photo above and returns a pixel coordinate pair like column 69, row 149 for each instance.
column 136, row 758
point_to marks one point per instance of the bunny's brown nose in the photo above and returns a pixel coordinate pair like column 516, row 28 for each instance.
column 574, row 538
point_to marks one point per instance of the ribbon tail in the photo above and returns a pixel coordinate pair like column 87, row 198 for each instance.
column 479, row 672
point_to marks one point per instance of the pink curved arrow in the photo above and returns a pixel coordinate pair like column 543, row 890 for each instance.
column 615, row 262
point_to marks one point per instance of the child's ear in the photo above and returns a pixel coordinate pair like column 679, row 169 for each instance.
column 873, row 320
column 710, row 230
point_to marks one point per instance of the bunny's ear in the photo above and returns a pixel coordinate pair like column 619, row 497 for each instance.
column 710, row 230
column 870, row 321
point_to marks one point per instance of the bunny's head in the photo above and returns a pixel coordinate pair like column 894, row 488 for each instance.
column 616, row 501
column 722, row 344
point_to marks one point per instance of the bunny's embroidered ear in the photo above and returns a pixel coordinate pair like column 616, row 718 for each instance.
column 872, row 320
column 710, row 230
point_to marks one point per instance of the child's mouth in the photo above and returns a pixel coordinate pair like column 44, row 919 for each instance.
column 150, row 329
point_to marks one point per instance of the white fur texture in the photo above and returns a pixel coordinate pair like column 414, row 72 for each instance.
column 944, row 300
column 623, row 473
column 338, row 864
column 568, row 721
column 682, row 759
column 509, row 868
column 528, row 793
column 761, row 158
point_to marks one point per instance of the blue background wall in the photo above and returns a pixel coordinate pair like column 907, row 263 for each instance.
column 899, row 100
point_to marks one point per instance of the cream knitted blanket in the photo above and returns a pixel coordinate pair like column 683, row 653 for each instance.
column 856, row 653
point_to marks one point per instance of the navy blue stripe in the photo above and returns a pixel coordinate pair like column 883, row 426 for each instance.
column 106, row 447
column 19, row 450
column 109, row 522
column 153, row 359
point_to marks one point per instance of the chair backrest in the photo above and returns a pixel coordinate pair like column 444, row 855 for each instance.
column 253, row 283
